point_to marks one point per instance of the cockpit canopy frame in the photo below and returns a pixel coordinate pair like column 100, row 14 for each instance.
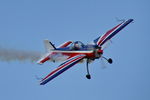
column 77, row 45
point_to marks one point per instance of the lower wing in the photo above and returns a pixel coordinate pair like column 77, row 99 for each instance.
column 63, row 67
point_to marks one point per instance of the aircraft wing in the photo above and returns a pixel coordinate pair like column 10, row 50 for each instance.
column 65, row 44
column 63, row 67
column 109, row 34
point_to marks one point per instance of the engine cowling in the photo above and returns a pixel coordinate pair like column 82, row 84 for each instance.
column 98, row 53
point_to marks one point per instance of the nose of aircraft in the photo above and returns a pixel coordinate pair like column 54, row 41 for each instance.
column 100, row 51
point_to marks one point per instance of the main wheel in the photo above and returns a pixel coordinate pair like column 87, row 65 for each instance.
column 88, row 76
column 110, row 61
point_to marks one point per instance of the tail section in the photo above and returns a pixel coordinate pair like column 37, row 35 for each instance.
column 50, row 55
column 49, row 46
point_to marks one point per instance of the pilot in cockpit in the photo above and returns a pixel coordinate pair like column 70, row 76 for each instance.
column 76, row 45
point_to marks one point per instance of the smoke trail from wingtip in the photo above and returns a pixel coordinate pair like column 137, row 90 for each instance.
column 8, row 55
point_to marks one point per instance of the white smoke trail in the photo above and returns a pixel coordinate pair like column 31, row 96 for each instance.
column 8, row 55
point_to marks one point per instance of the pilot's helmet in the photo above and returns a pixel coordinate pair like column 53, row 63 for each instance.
column 76, row 46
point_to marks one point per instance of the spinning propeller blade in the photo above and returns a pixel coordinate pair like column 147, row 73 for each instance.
column 106, row 45
column 103, row 64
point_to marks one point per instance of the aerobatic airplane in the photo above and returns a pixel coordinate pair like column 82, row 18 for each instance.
column 74, row 52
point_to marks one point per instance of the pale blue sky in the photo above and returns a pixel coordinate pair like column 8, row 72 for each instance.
column 24, row 24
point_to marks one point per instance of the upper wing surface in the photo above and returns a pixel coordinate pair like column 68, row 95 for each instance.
column 109, row 34
column 65, row 44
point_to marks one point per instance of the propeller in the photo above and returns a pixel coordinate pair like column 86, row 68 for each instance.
column 106, row 45
column 103, row 63
column 102, row 58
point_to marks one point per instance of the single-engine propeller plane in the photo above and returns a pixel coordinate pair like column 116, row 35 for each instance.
column 74, row 52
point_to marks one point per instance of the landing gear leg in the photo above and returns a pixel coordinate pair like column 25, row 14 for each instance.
column 110, row 61
column 88, row 76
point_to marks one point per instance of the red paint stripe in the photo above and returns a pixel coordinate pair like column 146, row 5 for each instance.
column 107, row 33
column 58, row 69
column 45, row 59
column 61, row 67
column 66, row 44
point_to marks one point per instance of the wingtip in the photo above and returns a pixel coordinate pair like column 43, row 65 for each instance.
column 41, row 82
column 131, row 19
column 40, row 63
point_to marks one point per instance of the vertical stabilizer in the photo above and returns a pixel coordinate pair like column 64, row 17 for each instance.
column 49, row 46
